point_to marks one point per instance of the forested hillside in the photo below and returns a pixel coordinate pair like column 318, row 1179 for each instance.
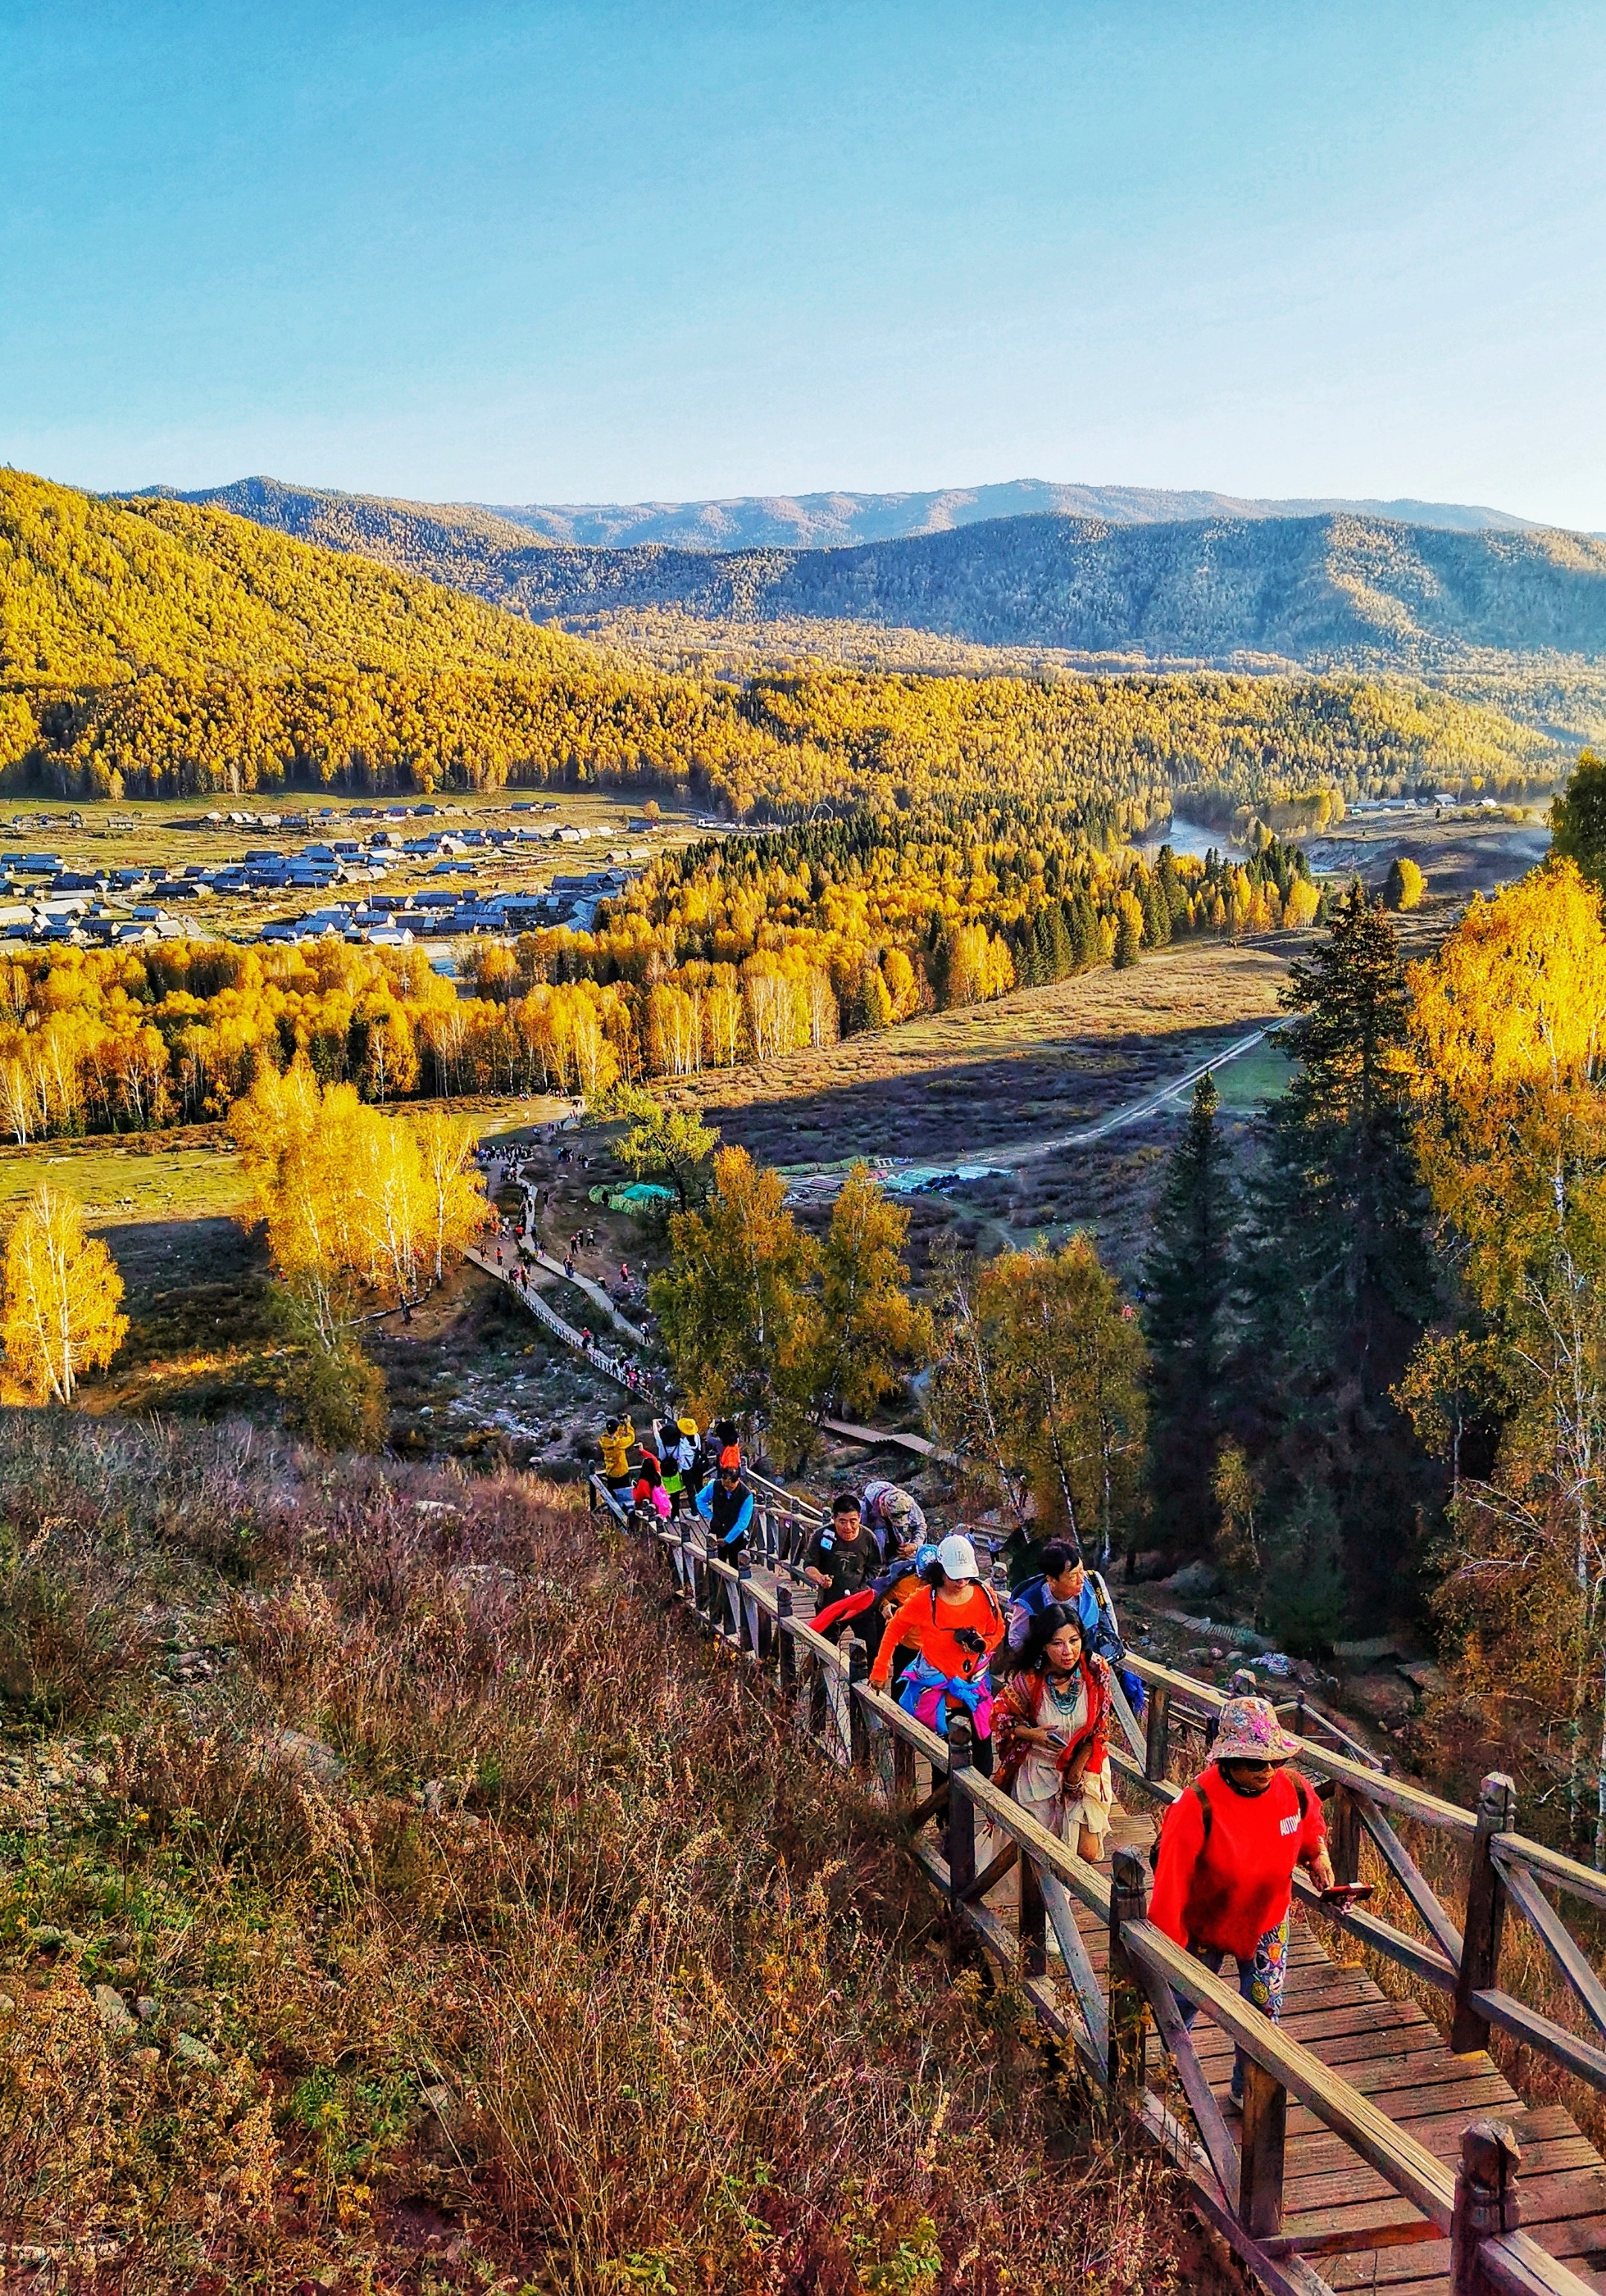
column 1326, row 590
column 154, row 648
column 95, row 593
column 799, row 521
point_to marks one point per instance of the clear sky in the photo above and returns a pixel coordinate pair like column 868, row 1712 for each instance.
column 511, row 250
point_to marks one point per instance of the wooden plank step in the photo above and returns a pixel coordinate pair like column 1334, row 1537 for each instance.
column 1568, row 2202
column 1351, row 2180
column 1358, row 2028
column 1319, row 2151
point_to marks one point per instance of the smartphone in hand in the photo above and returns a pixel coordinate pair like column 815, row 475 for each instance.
column 1347, row 1893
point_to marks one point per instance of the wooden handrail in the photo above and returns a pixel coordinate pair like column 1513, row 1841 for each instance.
column 1054, row 1873
column 1397, row 2156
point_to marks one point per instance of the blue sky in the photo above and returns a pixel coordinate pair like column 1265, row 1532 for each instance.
column 514, row 252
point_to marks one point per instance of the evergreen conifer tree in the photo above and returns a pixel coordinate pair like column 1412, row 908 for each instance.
column 1337, row 1282
column 1186, row 1281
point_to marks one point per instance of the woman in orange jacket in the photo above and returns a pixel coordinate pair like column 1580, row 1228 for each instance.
column 953, row 1624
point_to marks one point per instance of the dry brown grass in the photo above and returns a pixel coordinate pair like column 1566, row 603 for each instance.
column 543, row 1958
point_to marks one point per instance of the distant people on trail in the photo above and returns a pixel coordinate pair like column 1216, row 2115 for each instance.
column 1223, row 1865
column 843, row 1559
column 952, row 1623
column 1052, row 1720
column 649, row 1491
column 890, row 1514
column 615, row 1443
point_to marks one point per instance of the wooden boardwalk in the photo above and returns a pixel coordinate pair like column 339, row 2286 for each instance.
column 1395, row 2055
column 1340, row 2225
column 1353, row 2230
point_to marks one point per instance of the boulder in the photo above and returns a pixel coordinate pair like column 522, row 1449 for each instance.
column 114, row 2010
column 1383, row 1696
column 1193, row 1580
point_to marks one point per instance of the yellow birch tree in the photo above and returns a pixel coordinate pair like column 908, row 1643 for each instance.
column 63, row 1293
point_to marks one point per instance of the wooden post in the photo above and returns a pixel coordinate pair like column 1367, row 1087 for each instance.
column 1128, row 2008
column 960, row 1823
column 1344, row 1836
column 741, row 1590
column 858, row 1727
column 1486, row 2201
column 1485, row 1913
column 903, row 1770
column 1260, row 2182
column 786, row 1651
column 1157, row 1735
column 686, row 1559
column 1033, row 1922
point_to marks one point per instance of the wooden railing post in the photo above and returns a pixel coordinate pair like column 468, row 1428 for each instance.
column 687, row 1591
column 1157, row 1735
column 1344, row 1836
column 740, row 1591
column 1128, row 2007
column 961, row 1822
column 1260, row 2181
column 1485, row 1913
column 786, row 1650
column 1033, row 1922
column 1486, row 2201
column 858, row 1727
column 903, row 1770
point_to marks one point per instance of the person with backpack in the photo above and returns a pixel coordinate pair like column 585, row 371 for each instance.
column 953, row 1624
column 842, row 1557
column 726, row 1505
column 1051, row 1717
column 649, row 1493
column 614, row 1443
column 889, row 1513
column 680, row 1459
column 1223, row 1864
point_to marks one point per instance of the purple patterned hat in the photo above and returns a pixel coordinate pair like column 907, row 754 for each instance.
column 1251, row 1732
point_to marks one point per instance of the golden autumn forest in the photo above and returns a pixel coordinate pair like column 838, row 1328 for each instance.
column 937, row 841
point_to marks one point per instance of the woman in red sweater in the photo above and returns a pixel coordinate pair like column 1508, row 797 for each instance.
column 1224, row 1878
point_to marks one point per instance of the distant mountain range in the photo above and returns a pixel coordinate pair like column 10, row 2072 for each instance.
column 827, row 521
column 832, row 520
column 1328, row 589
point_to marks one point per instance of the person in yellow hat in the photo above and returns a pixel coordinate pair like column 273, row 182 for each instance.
column 679, row 1455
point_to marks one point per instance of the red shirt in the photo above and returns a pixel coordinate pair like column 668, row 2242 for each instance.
column 1229, row 1890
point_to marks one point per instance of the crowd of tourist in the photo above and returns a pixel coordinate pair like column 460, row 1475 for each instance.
column 1036, row 1664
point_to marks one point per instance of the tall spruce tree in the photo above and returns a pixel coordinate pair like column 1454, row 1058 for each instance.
column 1187, row 1277
column 1337, row 1281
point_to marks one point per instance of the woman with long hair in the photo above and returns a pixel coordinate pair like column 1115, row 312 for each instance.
column 1051, row 1716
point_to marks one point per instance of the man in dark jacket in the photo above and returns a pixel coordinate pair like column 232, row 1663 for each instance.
column 844, row 1556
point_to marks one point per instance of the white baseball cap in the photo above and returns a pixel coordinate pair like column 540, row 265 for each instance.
column 957, row 1557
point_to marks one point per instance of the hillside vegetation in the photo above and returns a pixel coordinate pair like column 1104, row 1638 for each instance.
column 1335, row 589
column 99, row 593
column 399, row 1896
column 802, row 521
column 153, row 648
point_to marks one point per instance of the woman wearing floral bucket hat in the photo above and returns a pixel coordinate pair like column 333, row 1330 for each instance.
column 1223, row 1868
